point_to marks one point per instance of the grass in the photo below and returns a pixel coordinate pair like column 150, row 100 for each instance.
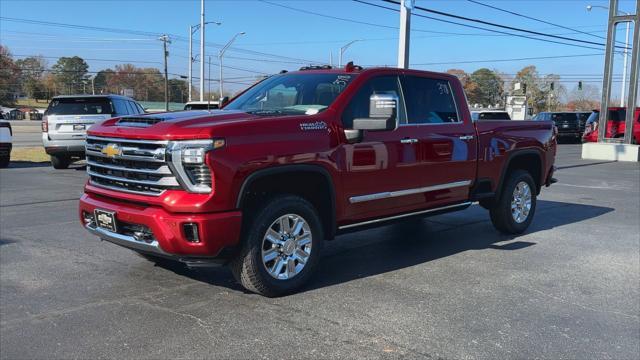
column 32, row 103
column 29, row 154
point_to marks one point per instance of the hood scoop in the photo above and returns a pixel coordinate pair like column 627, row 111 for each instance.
column 138, row 121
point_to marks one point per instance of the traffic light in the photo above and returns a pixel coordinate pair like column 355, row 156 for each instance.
column 579, row 85
column 524, row 88
column 552, row 86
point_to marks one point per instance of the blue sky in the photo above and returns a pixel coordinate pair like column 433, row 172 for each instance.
column 294, row 35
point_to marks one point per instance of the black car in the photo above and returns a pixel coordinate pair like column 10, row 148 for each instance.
column 569, row 124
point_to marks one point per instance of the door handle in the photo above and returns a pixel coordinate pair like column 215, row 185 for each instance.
column 466, row 137
column 408, row 141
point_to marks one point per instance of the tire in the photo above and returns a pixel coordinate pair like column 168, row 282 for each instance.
column 516, row 221
column 294, row 223
column 60, row 161
column 4, row 161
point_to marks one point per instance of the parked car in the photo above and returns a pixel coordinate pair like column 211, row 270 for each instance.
column 67, row 119
column 301, row 157
column 6, row 136
column 490, row 115
column 583, row 116
column 201, row 105
column 615, row 126
column 568, row 123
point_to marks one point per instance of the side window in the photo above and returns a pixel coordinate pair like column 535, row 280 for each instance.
column 121, row 107
column 429, row 101
column 359, row 105
column 140, row 108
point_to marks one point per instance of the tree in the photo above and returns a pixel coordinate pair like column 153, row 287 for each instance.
column 470, row 87
column 178, row 90
column 101, row 81
column 538, row 90
column 586, row 99
column 71, row 73
column 31, row 75
column 9, row 76
column 488, row 89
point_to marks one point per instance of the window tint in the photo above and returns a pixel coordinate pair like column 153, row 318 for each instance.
column 79, row 106
column 121, row 107
column 359, row 105
column 140, row 108
column 494, row 115
column 429, row 101
column 564, row 117
column 130, row 108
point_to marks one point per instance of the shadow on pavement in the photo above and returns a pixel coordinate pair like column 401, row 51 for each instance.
column 27, row 164
column 412, row 242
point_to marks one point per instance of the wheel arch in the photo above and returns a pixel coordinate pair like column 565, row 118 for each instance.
column 530, row 160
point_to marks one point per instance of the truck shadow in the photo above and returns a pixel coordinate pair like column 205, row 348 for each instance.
column 417, row 241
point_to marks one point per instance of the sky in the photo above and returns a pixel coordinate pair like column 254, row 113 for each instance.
column 278, row 37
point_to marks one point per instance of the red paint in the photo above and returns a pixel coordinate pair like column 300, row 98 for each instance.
column 615, row 127
column 378, row 163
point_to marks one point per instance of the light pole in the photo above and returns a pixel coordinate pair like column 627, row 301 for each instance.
column 192, row 30
column 165, row 40
column 405, row 33
column 343, row 49
column 220, row 55
column 625, row 53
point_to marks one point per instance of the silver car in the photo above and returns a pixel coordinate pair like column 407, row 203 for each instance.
column 65, row 123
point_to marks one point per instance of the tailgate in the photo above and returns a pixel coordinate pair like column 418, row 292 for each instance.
column 69, row 127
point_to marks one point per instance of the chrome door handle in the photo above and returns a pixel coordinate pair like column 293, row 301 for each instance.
column 409, row 141
column 466, row 137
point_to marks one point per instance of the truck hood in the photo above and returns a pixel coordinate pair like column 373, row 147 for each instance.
column 169, row 126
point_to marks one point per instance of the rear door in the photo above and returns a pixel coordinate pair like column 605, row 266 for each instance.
column 69, row 118
column 447, row 144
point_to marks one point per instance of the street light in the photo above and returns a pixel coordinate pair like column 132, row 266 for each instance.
column 344, row 48
column 192, row 30
column 220, row 55
column 625, row 54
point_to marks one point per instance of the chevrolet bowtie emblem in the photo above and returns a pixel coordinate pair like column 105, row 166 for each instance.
column 112, row 150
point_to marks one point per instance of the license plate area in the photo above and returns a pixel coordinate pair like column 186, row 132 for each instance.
column 106, row 220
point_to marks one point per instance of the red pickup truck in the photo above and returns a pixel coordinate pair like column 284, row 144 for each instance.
column 301, row 157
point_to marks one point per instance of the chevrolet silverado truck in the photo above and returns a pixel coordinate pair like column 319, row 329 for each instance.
column 300, row 158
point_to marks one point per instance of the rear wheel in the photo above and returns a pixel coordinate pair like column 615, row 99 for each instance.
column 281, row 246
column 4, row 161
column 514, row 210
column 60, row 161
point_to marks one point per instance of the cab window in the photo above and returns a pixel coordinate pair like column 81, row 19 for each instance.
column 429, row 101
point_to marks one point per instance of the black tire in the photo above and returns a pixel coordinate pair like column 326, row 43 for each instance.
column 501, row 215
column 4, row 161
column 248, row 267
column 60, row 161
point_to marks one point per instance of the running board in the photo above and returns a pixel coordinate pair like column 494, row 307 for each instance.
column 396, row 217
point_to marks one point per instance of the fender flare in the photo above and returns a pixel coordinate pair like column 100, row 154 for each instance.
column 512, row 155
column 330, row 227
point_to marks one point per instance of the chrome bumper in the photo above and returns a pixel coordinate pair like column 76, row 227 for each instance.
column 127, row 241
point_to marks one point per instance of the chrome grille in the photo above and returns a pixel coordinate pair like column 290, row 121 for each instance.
column 136, row 166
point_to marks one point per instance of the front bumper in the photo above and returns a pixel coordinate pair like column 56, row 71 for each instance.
column 219, row 233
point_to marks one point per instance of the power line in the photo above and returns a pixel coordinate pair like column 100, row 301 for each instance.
column 534, row 19
column 479, row 21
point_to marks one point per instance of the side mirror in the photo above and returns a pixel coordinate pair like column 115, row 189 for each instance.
column 382, row 113
column 223, row 101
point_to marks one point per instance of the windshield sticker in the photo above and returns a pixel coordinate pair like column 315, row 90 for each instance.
column 318, row 125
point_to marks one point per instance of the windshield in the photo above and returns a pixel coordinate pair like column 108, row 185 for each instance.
column 80, row 106
column 292, row 94
column 564, row 117
column 593, row 117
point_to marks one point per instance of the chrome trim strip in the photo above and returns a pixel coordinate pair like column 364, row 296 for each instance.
column 167, row 181
column 162, row 170
column 374, row 221
column 121, row 189
column 124, row 140
column 126, row 241
column 391, row 194
column 123, row 157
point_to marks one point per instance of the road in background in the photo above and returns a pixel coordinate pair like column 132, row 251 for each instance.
column 448, row 286
column 26, row 133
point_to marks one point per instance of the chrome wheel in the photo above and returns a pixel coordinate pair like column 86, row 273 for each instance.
column 521, row 202
column 286, row 246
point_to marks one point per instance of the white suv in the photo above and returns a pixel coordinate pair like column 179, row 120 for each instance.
column 65, row 123
column 5, row 143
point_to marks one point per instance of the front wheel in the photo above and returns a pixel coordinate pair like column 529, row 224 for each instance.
column 281, row 246
column 514, row 211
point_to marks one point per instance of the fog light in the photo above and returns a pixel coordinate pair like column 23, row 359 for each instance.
column 191, row 232
column 89, row 219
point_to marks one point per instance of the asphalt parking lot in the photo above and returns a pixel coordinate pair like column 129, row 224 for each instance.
column 445, row 287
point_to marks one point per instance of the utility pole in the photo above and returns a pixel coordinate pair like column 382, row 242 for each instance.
column 165, row 40
column 343, row 49
column 331, row 58
column 405, row 33
column 93, row 85
column 202, row 50
column 221, row 54
column 192, row 30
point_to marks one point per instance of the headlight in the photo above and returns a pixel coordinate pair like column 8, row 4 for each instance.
column 187, row 161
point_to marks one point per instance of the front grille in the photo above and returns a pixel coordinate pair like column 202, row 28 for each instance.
column 136, row 166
